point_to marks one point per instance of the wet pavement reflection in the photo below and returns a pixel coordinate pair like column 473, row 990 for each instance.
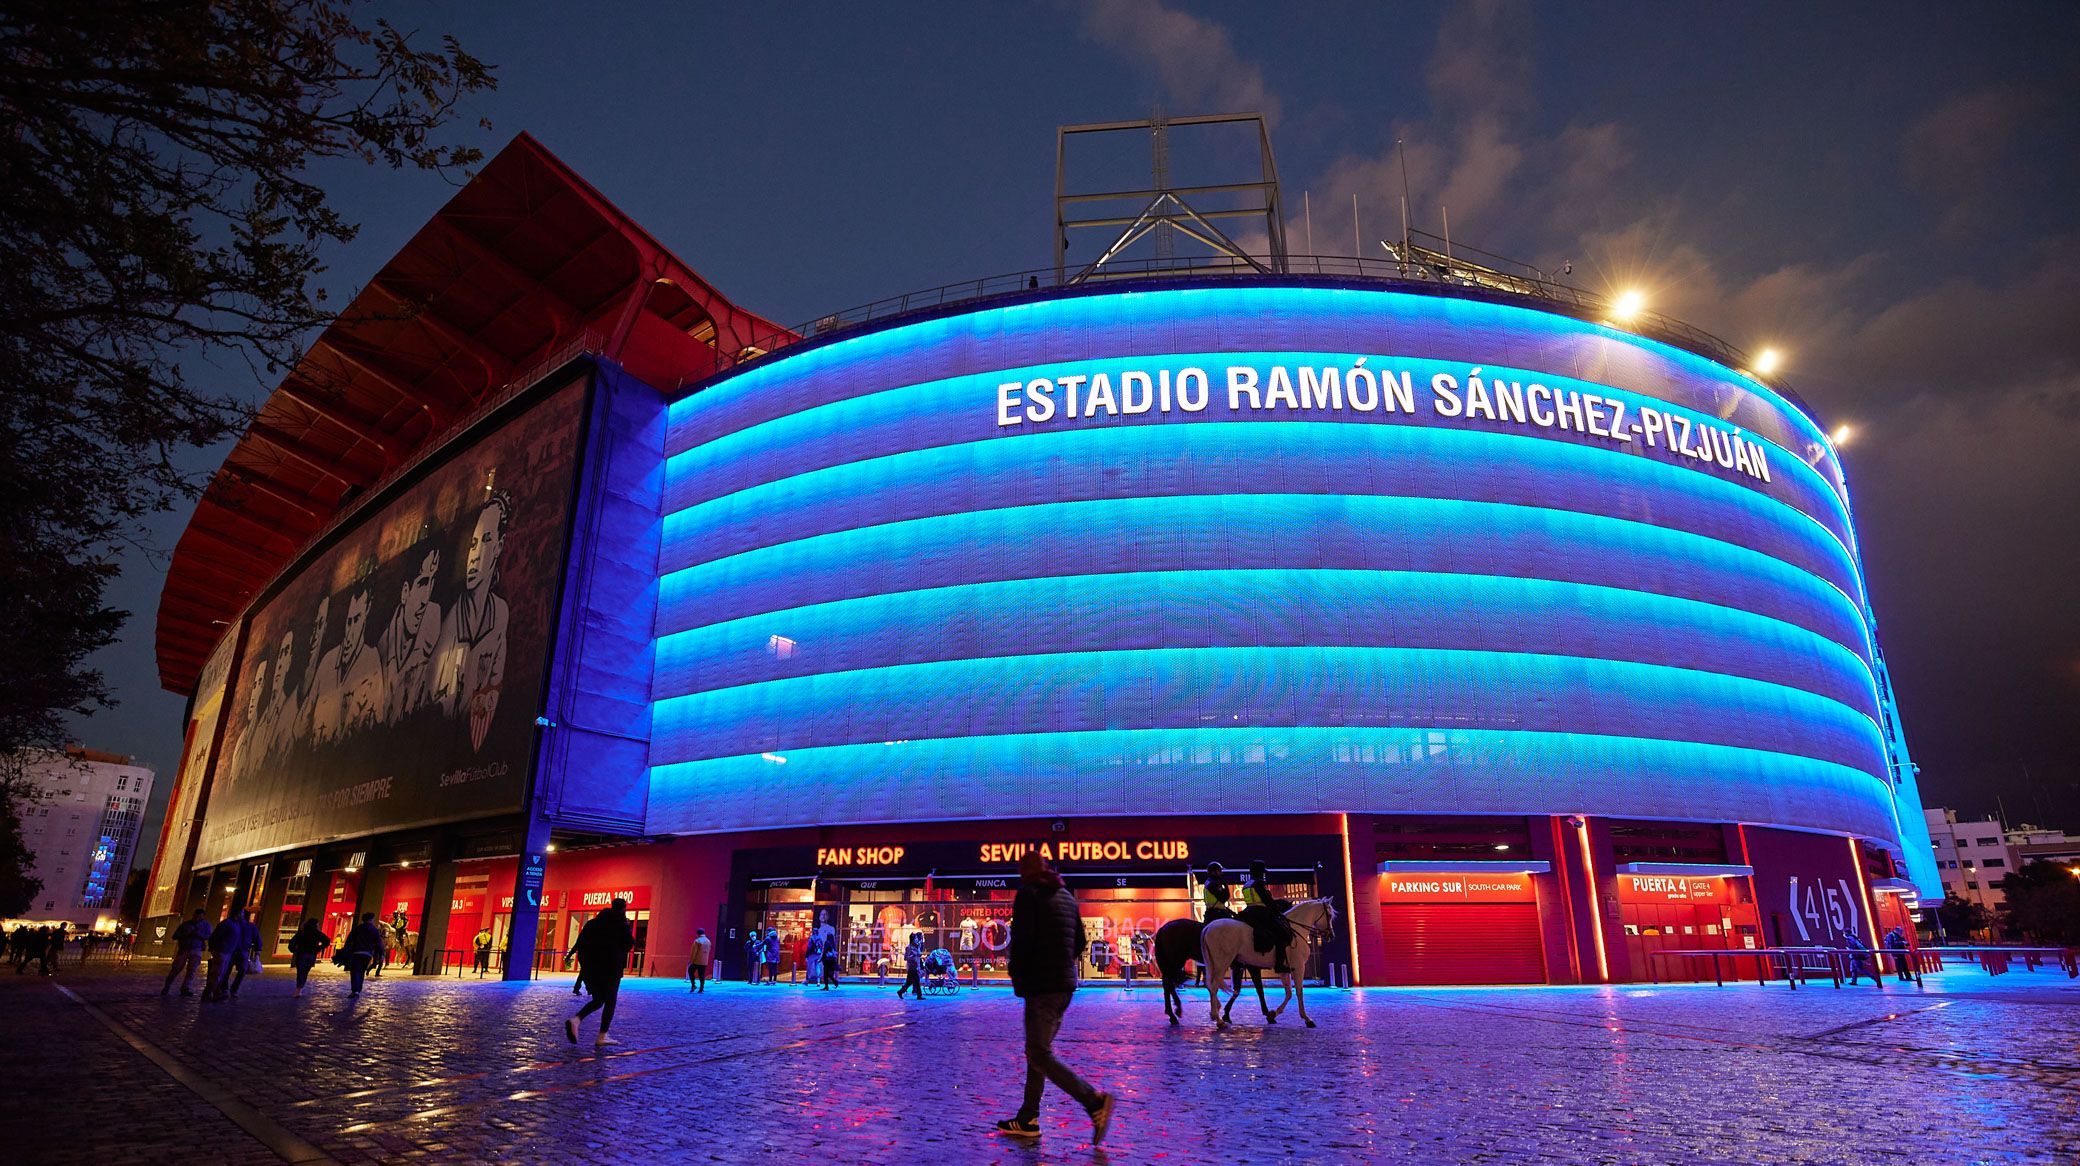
column 1970, row 1069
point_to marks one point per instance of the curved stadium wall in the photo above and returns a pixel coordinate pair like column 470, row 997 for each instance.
column 900, row 583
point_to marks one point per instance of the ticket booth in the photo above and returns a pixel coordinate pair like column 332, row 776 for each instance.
column 341, row 898
column 1677, row 906
column 404, row 906
column 465, row 917
column 1459, row 923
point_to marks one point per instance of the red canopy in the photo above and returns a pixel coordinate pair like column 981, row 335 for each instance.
column 526, row 267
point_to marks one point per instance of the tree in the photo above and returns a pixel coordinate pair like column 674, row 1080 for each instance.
column 18, row 888
column 2043, row 902
column 1961, row 919
column 134, row 887
column 159, row 212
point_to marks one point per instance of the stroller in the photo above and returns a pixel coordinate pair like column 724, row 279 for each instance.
column 941, row 976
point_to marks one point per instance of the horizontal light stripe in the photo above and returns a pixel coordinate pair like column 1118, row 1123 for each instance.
column 1267, row 771
column 1247, row 608
column 962, row 411
column 1251, row 532
column 1253, row 458
column 1307, row 686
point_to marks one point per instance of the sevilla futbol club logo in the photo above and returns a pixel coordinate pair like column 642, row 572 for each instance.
column 483, row 701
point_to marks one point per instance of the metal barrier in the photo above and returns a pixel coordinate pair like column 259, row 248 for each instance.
column 117, row 954
column 1996, row 959
column 1838, row 964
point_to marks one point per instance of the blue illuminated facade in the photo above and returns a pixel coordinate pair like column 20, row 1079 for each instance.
column 891, row 591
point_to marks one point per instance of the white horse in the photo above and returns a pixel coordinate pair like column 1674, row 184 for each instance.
column 1227, row 942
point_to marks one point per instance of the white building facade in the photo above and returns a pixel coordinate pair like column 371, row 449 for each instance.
column 1972, row 855
column 83, row 828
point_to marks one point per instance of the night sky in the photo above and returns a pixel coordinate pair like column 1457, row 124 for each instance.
column 1888, row 194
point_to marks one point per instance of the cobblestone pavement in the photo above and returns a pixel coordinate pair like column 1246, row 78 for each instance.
column 1970, row 1069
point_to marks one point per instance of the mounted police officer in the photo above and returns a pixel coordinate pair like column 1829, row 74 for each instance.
column 1265, row 913
column 1214, row 893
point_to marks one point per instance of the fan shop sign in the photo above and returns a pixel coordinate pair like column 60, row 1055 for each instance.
column 1067, row 852
column 1634, row 888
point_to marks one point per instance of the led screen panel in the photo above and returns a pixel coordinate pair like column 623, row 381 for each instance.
column 395, row 679
column 1257, row 549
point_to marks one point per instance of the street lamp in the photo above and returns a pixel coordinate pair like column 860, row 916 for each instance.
column 1628, row 304
column 1767, row 360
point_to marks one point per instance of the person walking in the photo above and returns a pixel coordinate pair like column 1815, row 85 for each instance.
column 482, row 942
column 304, row 948
column 772, row 955
column 364, row 944
column 1859, row 961
column 811, row 961
column 570, row 959
column 386, row 939
column 913, row 967
column 1047, row 941
column 31, row 949
column 1897, row 947
column 53, row 948
column 603, row 946
column 227, row 942
column 697, row 963
column 827, row 950
column 248, row 957
column 190, row 941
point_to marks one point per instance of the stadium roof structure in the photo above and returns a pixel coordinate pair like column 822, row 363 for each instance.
column 525, row 269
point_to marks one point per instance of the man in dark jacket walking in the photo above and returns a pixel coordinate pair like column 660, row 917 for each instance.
column 190, row 945
column 360, row 949
column 1047, row 940
column 602, row 948
column 227, row 946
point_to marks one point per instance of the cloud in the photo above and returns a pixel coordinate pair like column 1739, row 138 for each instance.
column 1955, row 147
column 1194, row 61
column 1482, row 62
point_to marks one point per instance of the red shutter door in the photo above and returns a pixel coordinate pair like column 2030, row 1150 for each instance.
column 1460, row 943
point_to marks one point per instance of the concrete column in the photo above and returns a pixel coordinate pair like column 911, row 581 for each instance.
column 272, row 896
column 1557, row 906
column 1368, row 941
column 440, row 898
column 1584, row 896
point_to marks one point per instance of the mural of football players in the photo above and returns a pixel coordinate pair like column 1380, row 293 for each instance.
column 277, row 726
column 406, row 647
column 307, row 694
column 245, row 753
column 350, row 677
column 470, row 661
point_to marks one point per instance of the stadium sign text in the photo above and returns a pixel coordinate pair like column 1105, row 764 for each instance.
column 1355, row 388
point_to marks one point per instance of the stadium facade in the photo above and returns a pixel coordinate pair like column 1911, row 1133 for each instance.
column 1539, row 643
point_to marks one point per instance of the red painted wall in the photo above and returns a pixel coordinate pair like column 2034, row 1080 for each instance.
column 1806, row 888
